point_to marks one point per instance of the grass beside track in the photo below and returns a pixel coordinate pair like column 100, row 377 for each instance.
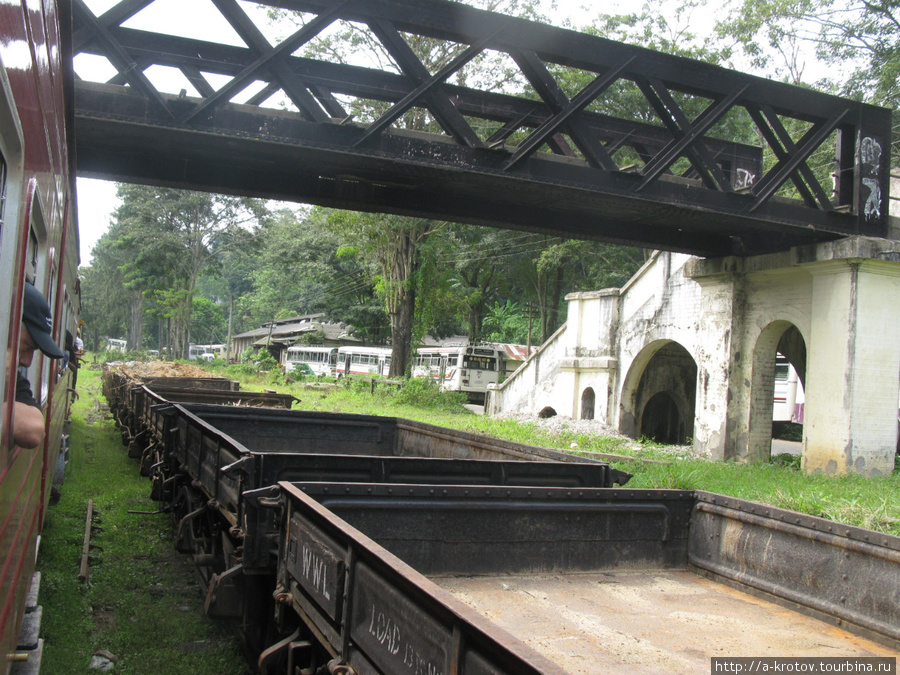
column 140, row 603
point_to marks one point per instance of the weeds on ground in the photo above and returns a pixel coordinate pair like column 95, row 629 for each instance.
column 139, row 602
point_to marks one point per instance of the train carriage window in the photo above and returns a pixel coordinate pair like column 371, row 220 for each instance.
column 32, row 260
column 11, row 186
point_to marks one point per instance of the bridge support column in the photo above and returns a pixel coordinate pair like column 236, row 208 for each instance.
column 853, row 367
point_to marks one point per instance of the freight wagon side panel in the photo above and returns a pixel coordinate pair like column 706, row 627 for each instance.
column 839, row 573
column 384, row 615
column 300, row 431
column 426, row 440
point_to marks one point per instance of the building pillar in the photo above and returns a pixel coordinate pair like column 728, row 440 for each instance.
column 853, row 365
column 588, row 360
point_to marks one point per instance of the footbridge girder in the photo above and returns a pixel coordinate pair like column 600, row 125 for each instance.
column 720, row 162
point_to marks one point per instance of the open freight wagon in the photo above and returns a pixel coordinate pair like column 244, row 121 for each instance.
column 519, row 581
column 380, row 545
column 207, row 462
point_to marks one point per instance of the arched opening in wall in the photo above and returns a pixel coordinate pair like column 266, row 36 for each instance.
column 777, row 392
column 588, row 401
column 659, row 394
column 662, row 421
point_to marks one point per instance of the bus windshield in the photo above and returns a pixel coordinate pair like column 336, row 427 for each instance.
column 479, row 362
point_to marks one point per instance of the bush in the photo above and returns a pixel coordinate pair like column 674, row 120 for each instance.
column 425, row 393
column 238, row 370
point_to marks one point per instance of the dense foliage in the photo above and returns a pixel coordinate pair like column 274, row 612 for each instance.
column 489, row 284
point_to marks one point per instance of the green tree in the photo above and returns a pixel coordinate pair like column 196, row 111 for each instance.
column 238, row 253
column 306, row 267
column 479, row 258
column 104, row 306
column 506, row 323
column 171, row 237
column 858, row 41
column 394, row 243
column 208, row 322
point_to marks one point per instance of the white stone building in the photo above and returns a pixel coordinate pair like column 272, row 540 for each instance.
column 686, row 352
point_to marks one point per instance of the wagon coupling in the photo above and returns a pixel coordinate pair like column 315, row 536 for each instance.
column 263, row 497
column 281, row 595
column 236, row 467
column 270, row 502
column 335, row 667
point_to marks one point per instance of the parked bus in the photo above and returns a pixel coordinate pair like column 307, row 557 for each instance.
column 206, row 352
column 363, row 361
column 789, row 397
column 307, row 360
column 115, row 345
column 468, row 369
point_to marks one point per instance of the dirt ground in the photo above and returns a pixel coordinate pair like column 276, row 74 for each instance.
column 141, row 369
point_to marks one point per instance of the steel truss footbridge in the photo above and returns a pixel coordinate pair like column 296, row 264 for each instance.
column 706, row 161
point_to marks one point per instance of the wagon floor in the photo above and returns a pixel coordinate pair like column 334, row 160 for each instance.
column 645, row 622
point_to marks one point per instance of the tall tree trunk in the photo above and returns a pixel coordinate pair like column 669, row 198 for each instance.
column 553, row 305
column 402, row 332
column 399, row 273
column 135, row 322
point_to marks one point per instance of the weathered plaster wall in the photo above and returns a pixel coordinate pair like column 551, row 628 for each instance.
column 535, row 384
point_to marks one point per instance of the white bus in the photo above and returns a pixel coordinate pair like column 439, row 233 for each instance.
column 468, row 369
column 306, row 360
column 789, row 397
column 363, row 361
column 115, row 345
column 206, row 352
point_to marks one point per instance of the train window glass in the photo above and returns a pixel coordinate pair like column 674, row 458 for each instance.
column 32, row 261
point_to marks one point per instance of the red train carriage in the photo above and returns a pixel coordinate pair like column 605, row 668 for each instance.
column 38, row 244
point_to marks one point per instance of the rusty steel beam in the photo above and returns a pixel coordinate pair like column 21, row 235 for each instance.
column 536, row 159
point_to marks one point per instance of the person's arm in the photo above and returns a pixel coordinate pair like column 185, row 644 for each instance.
column 28, row 420
column 28, row 425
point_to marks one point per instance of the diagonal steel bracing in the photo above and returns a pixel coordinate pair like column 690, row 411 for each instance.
column 701, row 159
